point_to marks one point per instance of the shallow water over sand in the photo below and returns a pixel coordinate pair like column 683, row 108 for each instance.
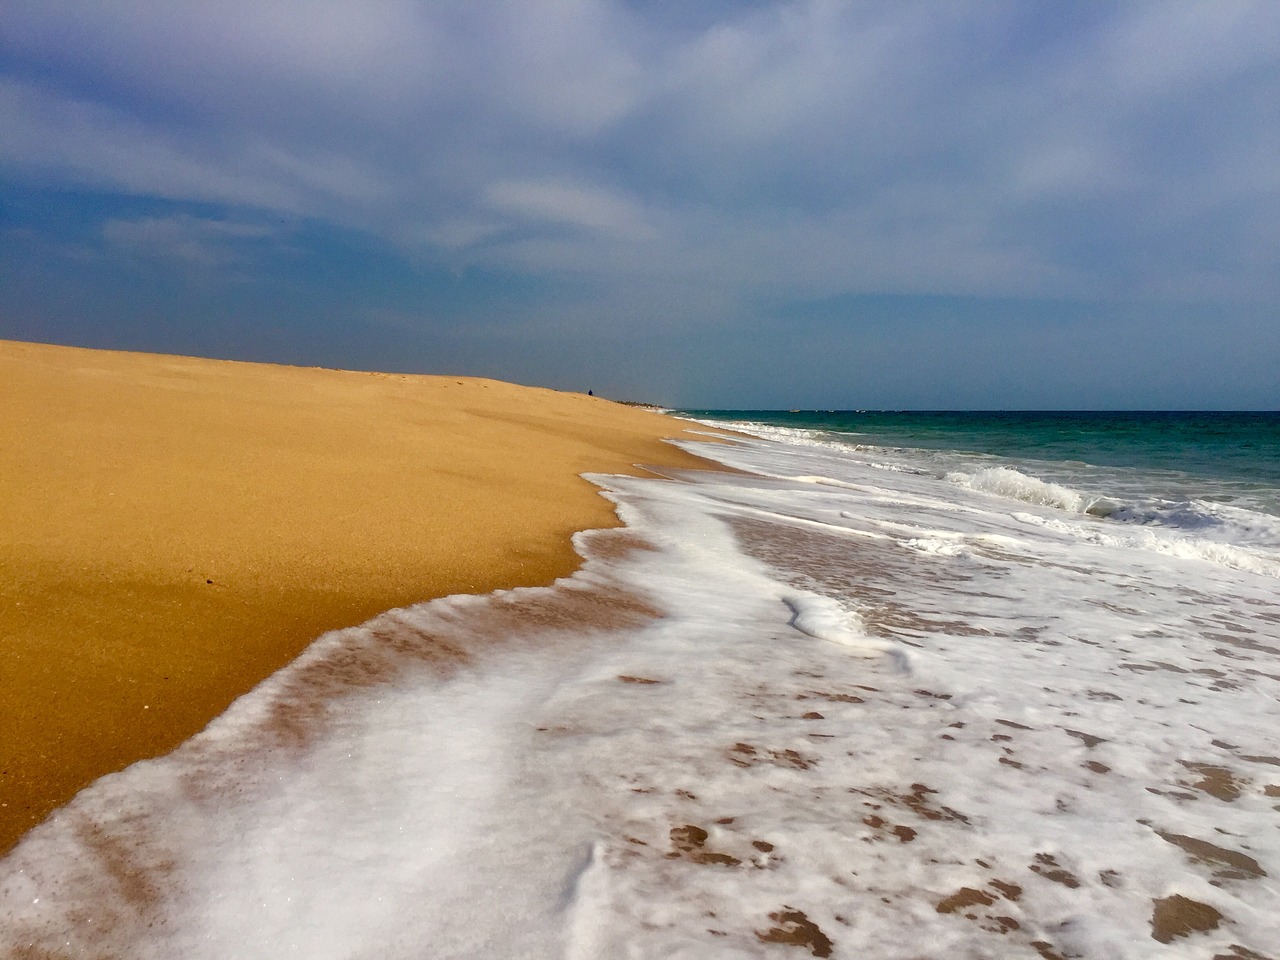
column 827, row 710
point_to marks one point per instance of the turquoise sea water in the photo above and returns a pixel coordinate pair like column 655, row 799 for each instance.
column 1131, row 457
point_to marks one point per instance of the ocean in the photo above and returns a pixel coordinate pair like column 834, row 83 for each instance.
column 896, row 686
column 1150, row 461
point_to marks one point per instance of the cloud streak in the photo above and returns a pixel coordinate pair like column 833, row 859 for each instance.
column 184, row 239
column 599, row 212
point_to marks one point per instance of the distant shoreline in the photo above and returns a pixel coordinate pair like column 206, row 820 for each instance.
column 174, row 529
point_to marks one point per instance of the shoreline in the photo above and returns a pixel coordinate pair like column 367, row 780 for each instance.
column 176, row 529
column 776, row 699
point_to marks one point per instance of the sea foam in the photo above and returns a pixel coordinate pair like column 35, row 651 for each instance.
column 1016, row 485
column 890, row 716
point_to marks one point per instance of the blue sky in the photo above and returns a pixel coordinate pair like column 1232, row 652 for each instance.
column 736, row 204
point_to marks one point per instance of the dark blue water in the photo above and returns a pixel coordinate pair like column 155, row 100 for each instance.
column 1214, row 456
column 1239, row 447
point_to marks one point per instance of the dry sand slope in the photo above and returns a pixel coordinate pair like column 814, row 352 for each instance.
column 172, row 530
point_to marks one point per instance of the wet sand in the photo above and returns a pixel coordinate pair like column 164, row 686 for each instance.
column 173, row 530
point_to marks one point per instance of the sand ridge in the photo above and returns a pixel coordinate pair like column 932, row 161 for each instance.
column 174, row 529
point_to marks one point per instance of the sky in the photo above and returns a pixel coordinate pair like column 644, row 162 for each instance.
column 954, row 204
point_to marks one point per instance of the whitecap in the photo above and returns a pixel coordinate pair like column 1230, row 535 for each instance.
column 1007, row 482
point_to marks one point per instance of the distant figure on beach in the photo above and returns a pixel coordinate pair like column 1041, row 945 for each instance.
column 590, row 393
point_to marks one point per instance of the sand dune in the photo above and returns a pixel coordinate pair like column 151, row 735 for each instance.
column 172, row 530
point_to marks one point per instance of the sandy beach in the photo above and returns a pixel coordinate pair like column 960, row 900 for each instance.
column 173, row 530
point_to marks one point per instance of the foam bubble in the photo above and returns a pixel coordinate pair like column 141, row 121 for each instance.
column 935, row 545
column 826, row 619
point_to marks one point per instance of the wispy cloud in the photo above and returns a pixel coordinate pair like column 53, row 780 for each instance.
column 589, row 208
column 49, row 138
column 185, row 239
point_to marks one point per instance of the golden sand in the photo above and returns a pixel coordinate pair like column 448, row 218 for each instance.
column 173, row 530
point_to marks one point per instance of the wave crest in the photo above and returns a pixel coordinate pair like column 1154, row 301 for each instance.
column 1007, row 482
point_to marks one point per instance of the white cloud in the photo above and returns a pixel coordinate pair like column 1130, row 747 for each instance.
column 589, row 208
column 185, row 239
column 569, row 66
column 455, row 235
column 52, row 138
column 1160, row 49
column 244, row 55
